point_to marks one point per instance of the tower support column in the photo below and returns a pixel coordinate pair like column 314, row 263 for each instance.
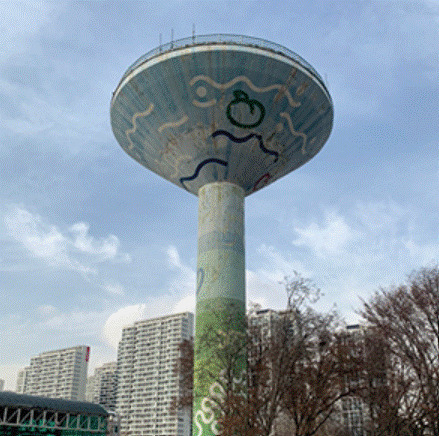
column 220, row 355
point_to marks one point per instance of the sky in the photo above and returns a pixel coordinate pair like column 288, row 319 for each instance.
column 91, row 241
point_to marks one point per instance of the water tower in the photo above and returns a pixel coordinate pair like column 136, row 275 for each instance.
column 220, row 116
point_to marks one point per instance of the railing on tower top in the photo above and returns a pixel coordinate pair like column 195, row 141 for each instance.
column 221, row 39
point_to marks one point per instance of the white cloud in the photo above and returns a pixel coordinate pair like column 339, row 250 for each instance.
column 36, row 115
column 52, row 328
column 186, row 304
column 277, row 266
column 41, row 240
column 265, row 285
column 370, row 245
column 47, row 310
column 114, row 288
column 261, row 289
column 74, row 249
column 152, row 308
column 79, row 322
column 426, row 254
column 185, row 278
column 173, row 256
column 179, row 297
column 331, row 238
column 82, row 241
column 380, row 216
column 112, row 330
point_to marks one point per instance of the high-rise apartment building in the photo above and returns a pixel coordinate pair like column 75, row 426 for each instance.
column 57, row 374
column 147, row 382
column 22, row 380
column 354, row 410
column 359, row 411
column 269, row 320
column 101, row 386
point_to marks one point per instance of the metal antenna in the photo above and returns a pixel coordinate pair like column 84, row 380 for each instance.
column 172, row 38
column 160, row 42
column 193, row 32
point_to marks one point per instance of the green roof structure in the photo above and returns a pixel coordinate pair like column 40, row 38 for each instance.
column 22, row 414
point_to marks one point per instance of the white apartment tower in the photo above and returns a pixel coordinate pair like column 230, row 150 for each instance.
column 22, row 380
column 146, row 379
column 355, row 413
column 269, row 322
column 101, row 386
column 58, row 374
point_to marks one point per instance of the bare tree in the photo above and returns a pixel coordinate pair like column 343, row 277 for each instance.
column 296, row 364
column 301, row 291
column 406, row 319
column 184, row 369
column 269, row 351
column 372, row 402
column 315, row 375
column 388, row 389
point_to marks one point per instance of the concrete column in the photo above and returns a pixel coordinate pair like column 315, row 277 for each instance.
column 220, row 310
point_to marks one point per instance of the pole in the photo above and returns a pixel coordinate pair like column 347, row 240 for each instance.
column 219, row 349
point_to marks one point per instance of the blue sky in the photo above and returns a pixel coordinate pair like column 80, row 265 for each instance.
column 91, row 241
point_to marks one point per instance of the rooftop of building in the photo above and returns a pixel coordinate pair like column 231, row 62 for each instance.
column 63, row 350
column 12, row 399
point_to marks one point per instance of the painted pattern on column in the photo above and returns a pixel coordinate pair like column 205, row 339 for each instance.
column 220, row 311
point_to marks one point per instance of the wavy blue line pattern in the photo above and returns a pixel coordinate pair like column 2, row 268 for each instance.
column 199, row 166
column 245, row 139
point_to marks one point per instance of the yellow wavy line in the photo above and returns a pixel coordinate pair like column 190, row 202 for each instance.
column 246, row 80
column 131, row 130
column 175, row 164
column 294, row 132
column 181, row 121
